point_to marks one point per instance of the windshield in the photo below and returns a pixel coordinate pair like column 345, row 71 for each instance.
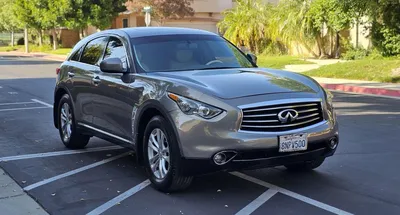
column 187, row 52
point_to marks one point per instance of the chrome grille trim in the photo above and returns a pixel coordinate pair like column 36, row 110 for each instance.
column 279, row 126
column 285, row 107
column 264, row 118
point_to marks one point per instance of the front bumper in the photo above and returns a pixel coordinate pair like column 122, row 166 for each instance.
column 205, row 166
column 200, row 140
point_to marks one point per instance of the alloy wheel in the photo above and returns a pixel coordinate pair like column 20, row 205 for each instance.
column 66, row 122
column 158, row 153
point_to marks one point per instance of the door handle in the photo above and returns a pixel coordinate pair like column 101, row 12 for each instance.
column 96, row 80
column 71, row 74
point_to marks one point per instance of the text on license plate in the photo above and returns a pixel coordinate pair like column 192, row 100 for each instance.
column 293, row 142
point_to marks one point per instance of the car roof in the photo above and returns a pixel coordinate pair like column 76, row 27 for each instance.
column 136, row 32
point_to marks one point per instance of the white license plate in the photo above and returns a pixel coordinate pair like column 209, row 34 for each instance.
column 293, row 143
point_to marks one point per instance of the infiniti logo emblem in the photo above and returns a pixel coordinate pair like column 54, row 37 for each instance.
column 288, row 115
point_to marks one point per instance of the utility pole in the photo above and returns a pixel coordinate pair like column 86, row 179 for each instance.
column 26, row 40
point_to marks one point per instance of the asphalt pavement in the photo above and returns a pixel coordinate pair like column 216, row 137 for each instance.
column 361, row 178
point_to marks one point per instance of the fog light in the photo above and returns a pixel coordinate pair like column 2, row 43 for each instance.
column 220, row 158
column 333, row 143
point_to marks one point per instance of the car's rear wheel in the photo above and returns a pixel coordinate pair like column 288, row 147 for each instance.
column 162, row 157
column 305, row 166
column 70, row 136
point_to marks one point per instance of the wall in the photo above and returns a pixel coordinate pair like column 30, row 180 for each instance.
column 69, row 38
column 211, row 6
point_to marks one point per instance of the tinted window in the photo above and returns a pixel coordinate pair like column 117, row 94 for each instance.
column 94, row 51
column 187, row 52
column 115, row 49
column 77, row 55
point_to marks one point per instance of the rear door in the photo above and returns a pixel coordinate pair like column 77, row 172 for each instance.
column 113, row 101
column 84, row 74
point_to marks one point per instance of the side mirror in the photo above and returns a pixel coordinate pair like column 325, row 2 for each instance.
column 252, row 57
column 112, row 65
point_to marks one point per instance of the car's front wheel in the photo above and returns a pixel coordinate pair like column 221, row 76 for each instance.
column 305, row 166
column 162, row 157
column 70, row 136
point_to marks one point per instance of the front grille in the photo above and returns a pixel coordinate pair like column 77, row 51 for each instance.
column 265, row 118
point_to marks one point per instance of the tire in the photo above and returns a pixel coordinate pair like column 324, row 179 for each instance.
column 172, row 180
column 75, row 140
column 305, row 166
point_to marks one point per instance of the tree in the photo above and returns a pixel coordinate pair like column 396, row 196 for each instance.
column 330, row 16
column 358, row 9
column 103, row 12
column 246, row 24
column 29, row 14
column 53, row 15
column 8, row 21
column 163, row 10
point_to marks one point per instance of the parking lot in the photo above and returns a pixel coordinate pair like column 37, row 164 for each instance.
column 361, row 178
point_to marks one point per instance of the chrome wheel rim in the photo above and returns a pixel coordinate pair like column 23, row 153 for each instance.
column 158, row 153
column 66, row 122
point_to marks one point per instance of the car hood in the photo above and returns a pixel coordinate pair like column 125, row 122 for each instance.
column 242, row 82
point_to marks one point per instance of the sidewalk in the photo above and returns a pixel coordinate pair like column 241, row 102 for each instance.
column 13, row 199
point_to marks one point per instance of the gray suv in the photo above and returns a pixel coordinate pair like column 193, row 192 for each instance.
column 189, row 102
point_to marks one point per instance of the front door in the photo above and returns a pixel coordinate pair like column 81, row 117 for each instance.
column 113, row 101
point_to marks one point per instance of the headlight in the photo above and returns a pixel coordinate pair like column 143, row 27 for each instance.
column 191, row 107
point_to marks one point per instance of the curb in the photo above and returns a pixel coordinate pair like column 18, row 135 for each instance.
column 362, row 90
column 36, row 55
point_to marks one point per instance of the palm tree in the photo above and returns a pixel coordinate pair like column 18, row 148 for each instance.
column 246, row 23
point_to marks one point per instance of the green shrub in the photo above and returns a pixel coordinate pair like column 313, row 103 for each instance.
column 355, row 54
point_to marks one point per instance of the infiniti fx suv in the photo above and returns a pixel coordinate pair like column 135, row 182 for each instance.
column 189, row 102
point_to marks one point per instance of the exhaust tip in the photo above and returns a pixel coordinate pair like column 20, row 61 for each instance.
column 333, row 143
column 224, row 157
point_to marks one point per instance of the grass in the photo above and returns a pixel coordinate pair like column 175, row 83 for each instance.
column 369, row 70
column 279, row 62
column 34, row 48
column 60, row 51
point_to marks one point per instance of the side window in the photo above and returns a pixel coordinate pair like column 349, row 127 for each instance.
column 115, row 49
column 77, row 54
column 94, row 51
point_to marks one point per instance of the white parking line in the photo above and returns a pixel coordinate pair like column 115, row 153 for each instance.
column 73, row 172
column 43, row 103
column 17, row 103
column 51, row 154
column 250, row 208
column 27, row 108
column 102, row 208
column 292, row 194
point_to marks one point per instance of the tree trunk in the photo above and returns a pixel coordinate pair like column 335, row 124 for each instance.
column 40, row 37
column 337, row 54
column 357, row 31
column 26, row 40
column 12, row 38
column 55, row 40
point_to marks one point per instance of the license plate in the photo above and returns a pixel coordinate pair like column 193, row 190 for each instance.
column 293, row 143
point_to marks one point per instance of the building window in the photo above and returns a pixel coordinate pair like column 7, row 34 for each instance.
column 125, row 23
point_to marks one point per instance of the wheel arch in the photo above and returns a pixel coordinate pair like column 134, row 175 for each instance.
column 143, row 115
column 58, row 94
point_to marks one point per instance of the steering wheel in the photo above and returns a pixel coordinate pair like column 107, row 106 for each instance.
column 214, row 61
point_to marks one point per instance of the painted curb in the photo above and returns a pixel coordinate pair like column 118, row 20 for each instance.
column 362, row 90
